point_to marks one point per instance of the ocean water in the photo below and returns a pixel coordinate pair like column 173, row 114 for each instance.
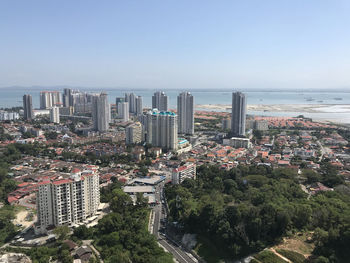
column 13, row 97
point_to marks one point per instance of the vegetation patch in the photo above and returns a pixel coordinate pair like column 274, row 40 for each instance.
column 293, row 256
column 267, row 256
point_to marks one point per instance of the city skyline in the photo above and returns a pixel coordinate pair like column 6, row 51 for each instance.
column 161, row 45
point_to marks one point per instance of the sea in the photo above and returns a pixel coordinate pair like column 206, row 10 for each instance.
column 13, row 97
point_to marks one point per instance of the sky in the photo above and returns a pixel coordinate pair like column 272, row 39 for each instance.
column 169, row 44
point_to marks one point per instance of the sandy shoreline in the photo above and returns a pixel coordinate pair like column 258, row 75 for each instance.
column 307, row 108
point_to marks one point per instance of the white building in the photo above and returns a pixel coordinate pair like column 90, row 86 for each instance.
column 8, row 116
column 185, row 112
column 181, row 173
column 55, row 114
column 160, row 101
column 123, row 111
column 237, row 142
column 133, row 133
column 67, row 201
column 101, row 112
column 49, row 99
column 162, row 129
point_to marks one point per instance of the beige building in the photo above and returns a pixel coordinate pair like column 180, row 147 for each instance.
column 133, row 133
column 67, row 201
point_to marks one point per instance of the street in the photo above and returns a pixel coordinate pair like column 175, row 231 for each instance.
column 160, row 215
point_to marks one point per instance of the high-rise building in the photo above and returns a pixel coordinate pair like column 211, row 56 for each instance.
column 238, row 117
column 49, row 99
column 55, row 114
column 133, row 133
column 138, row 106
column 28, row 107
column 82, row 102
column 67, row 98
column 162, row 129
column 67, row 201
column 131, row 99
column 123, row 111
column 100, row 112
column 160, row 101
column 185, row 112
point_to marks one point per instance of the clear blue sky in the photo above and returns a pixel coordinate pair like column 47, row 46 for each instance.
column 176, row 43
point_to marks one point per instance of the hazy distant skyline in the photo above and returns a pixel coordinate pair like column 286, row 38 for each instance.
column 180, row 44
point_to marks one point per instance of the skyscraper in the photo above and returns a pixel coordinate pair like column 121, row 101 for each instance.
column 100, row 112
column 162, row 129
column 28, row 107
column 49, row 99
column 123, row 111
column 185, row 112
column 55, row 114
column 138, row 105
column 131, row 99
column 67, row 98
column 160, row 101
column 238, row 114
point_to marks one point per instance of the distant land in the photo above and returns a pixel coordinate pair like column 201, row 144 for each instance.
column 59, row 87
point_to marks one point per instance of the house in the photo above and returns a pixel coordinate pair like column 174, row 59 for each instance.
column 83, row 253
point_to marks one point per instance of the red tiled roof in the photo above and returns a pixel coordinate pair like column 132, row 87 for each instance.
column 64, row 181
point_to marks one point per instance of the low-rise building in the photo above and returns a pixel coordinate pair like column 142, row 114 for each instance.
column 237, row 142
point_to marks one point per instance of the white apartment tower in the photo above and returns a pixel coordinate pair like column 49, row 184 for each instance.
column 123, row 111
column 185, row 112
column 100, row 112
column 55, row 114
column 138, row 106
column 67, row 201
column 133, row 133
column 49, row 99
column 238, row 117
column 160, row 101
column 162, row 129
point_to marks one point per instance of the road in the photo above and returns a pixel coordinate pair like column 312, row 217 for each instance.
column 176, row 250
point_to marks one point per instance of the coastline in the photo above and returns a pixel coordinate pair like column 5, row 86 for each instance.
column 307, row 108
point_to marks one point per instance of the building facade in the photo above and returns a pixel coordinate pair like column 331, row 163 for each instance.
column 138, row 106
column 160, row 101
column 55, row 114
column 100, row 112
column 133, row 133
column 162, row 129
column 185, row 112
column 131, row 99
column 238, row 117
column 49, row 99
column 123, row 111
column 237, row 142
column 181, row 173
column 28, row 107
column 67, row 201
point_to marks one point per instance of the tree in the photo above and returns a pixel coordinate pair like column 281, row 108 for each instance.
column 61, row 232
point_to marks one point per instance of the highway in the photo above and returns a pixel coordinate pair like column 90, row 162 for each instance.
column 176, row 250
